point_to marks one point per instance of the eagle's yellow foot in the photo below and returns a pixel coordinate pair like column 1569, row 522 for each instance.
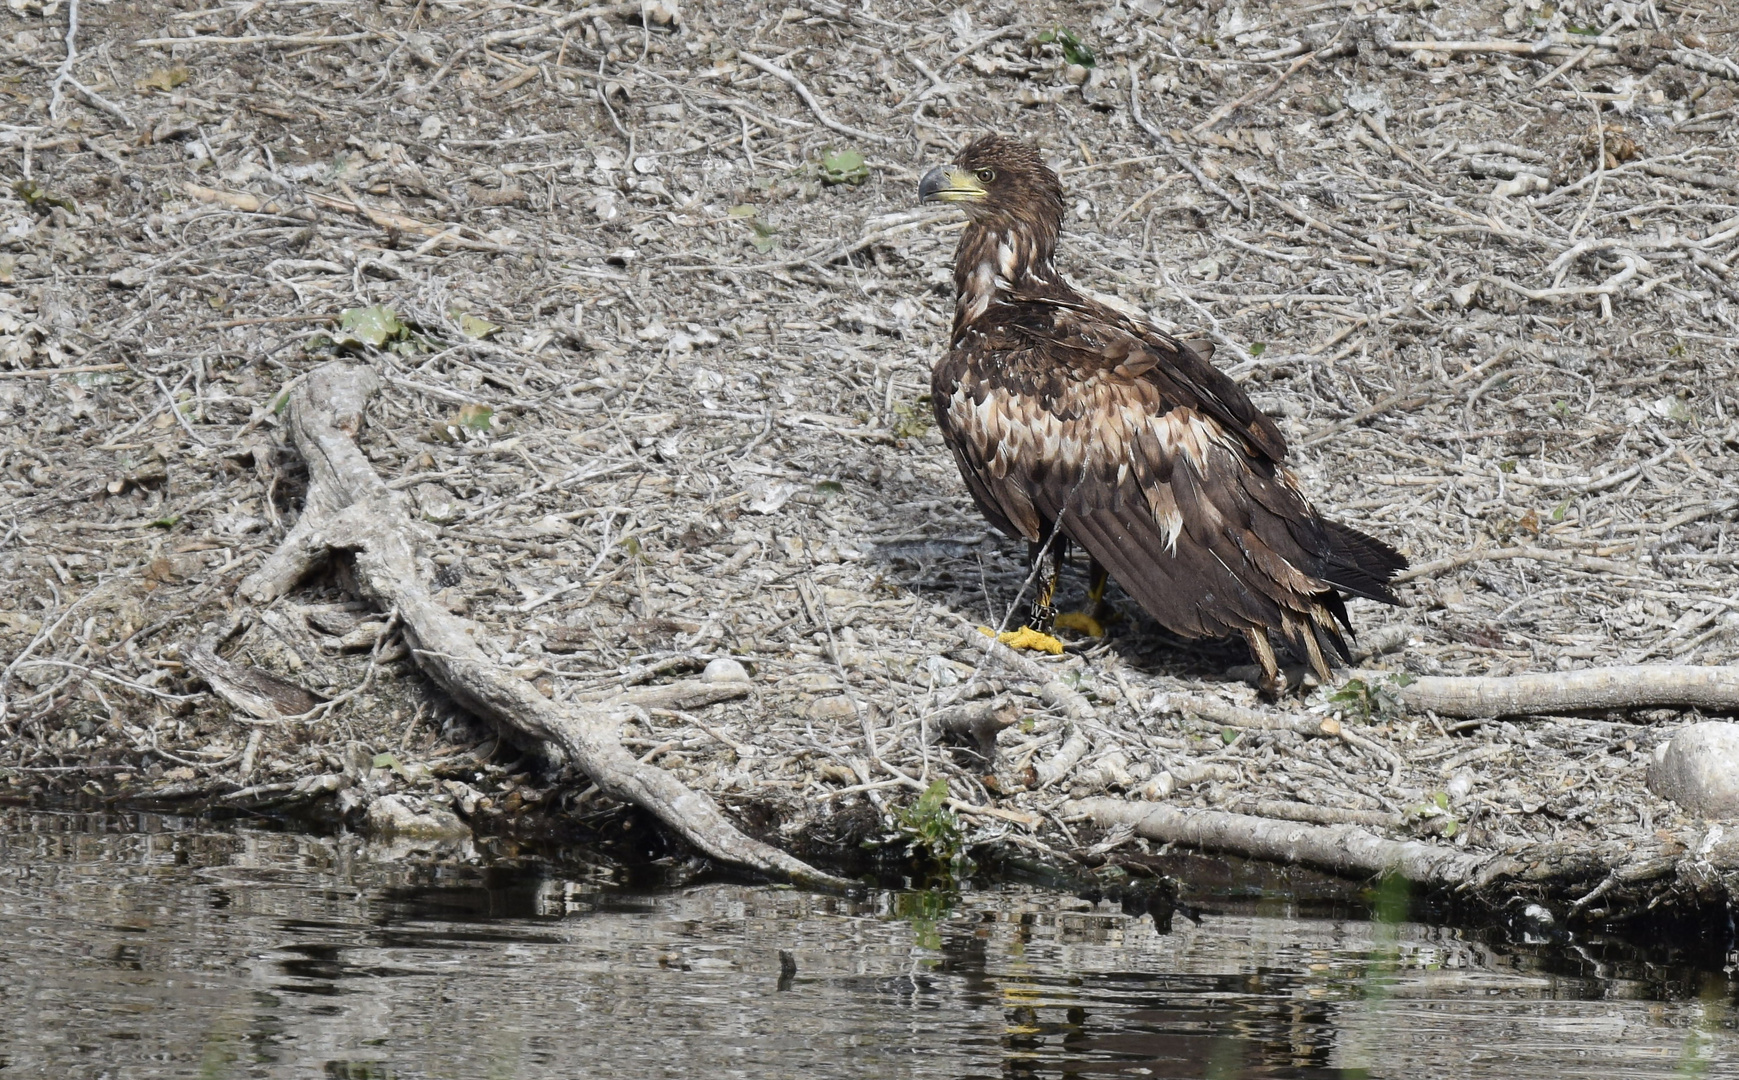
column 1081, row 623
column 1026, row 638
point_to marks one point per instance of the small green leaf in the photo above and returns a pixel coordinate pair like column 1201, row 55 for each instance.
column 475, row 327
column 387, row 761
column 476, row 417
column 830, row 487
column 766, row 237
column 374, row 324
column 35, row 195
column 843, row 167
column 741, row 210
column 1506, row 466
column 1563, row 507
column 1355, row 698
column 1075, row 50
column 167, row 522
column 933, row 798
column 1228, row 735
column 1258, row 348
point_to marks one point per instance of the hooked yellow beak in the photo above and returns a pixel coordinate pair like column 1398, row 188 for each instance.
column 949, row 183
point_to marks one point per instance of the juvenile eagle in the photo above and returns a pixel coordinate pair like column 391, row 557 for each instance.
column 1072, row 422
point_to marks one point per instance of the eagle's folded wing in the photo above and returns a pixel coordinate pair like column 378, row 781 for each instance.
column 1180, row 369
column 1203, row 529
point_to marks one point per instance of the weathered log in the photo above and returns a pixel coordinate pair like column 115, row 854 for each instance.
column 351, row 511
column 1344, row 850
column 1558, row 868
column 1642, row 686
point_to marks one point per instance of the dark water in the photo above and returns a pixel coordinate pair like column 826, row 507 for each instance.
column 135, row 946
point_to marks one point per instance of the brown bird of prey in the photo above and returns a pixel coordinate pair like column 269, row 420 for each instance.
column 1075, row 423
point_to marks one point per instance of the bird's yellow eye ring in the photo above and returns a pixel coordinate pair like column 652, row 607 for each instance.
column 985, row 176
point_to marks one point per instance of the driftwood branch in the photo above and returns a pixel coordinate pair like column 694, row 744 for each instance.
column 1344, row 850
column 1642, row 686
column 351, row 511
column 1560, row 868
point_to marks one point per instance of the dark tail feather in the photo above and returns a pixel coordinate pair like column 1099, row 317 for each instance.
column 1360, row 564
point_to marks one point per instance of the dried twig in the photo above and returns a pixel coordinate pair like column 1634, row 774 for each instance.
column 63, row 75
column 802, row 91
column 1161, row 140
column 1217, row 711
column 1253, row 96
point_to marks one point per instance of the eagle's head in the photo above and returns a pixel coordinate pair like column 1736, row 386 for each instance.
column 998, row 177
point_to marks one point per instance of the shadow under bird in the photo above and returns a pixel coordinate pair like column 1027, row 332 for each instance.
column 1075, row 423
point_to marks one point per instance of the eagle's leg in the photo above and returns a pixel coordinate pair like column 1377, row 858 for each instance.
column 1049, row 571
column 1036, row 634
column 1097, row 578
column 1091, row 622
column 1262, row 651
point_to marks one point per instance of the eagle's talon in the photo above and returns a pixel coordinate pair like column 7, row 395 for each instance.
column 1026, row 638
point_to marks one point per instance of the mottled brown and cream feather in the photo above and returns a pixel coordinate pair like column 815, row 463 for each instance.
column 1062, row 411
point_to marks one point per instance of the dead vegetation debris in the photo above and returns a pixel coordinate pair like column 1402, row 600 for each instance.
column 654, row 313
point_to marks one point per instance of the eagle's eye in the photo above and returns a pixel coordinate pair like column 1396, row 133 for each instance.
column 985, row 176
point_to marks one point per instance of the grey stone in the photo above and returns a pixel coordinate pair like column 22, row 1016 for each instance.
column 400, row 815
column 725, row 670
column 1699, row 769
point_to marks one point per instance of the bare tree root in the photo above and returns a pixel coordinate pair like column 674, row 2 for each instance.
column 1642, row 686
column 350, row 510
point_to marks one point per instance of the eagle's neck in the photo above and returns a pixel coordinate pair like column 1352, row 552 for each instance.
column 998, row 257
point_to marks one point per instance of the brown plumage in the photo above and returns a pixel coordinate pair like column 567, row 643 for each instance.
column 1064, row 413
